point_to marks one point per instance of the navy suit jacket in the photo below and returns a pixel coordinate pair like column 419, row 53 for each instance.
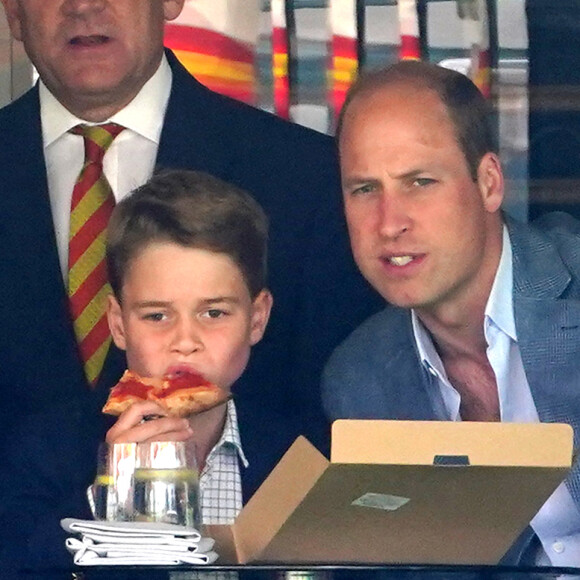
column 292, row 172
column 377, row 374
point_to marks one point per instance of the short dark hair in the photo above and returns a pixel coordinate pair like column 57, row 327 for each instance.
column 470, row 113
column 194, row 210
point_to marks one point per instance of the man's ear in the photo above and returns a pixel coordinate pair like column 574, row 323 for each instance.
column 490, row 181
column 261, row 308
column 115, row 320
column 12, row 10
column 171, row 8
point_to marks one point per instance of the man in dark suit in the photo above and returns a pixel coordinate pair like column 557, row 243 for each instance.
column 488, row 311
column 104, row 61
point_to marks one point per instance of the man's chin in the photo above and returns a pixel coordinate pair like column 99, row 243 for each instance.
column 400, row 300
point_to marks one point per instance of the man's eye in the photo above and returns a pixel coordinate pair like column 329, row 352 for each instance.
column 215, row 313
column 366, row 188
column 154, row 316
column 423, row 181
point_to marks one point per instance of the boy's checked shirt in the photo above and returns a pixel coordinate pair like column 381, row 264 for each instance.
column 220, row 482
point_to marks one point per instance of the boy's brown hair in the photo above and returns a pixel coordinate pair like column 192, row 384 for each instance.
column 194, row 210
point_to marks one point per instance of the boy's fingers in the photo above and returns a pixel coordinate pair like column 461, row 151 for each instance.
column 135, row 413
column 130, row 427
column 166, row 428
column 181, row 435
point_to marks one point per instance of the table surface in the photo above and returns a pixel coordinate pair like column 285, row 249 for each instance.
column 326, row 572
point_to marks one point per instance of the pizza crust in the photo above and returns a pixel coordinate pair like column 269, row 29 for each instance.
column 179, row 395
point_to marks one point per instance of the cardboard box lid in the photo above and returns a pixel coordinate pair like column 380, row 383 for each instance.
column 418, row 442
column 396, row 506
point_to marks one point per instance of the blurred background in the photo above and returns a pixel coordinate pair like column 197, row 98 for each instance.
column 296, row 58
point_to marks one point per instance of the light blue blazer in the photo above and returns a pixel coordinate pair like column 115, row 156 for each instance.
column 376, row 373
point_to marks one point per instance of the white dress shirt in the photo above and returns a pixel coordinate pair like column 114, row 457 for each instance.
column 557, row 524
column 128, row 163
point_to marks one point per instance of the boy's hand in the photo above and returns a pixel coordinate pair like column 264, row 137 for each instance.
column 130, row 427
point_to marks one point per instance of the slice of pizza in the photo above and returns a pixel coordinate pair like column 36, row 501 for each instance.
column 181, row 394
column 185, row 393
column 130, row 389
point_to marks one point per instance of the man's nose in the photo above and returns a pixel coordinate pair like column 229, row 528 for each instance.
column 393, row 217
column 81, row 7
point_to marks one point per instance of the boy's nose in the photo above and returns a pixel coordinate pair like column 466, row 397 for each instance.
column 187, row 338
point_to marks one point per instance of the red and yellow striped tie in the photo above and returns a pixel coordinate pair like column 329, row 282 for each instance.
column 91, row 207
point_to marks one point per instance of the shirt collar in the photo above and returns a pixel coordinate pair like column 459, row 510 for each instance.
column 498, row 310
column 231, row 434
column 427, row 353
column 143, row 115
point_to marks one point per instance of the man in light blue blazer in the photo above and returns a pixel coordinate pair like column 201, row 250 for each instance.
column 486, row 324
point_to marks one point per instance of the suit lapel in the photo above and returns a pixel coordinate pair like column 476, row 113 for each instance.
column 551, row 365
column 548, row 330
column 32, row 277
column 415, row 391
column 540, row 311
column 35, row 230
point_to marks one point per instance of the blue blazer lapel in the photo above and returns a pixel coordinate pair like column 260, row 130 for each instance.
column 549, row 347
column 379, row 362
column 416, row 394
column 549, row 338
column 547, row 323
column 548, row 329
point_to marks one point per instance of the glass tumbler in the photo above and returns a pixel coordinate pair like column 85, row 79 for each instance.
column 166, row 483
column 112, row 490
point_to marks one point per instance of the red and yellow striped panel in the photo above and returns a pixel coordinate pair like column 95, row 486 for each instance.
column 410, row 48
column 344, row 69
column 482, row 74
column 280, row 72
column 216, row 60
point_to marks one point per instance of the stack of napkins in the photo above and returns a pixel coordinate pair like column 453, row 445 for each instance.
column 135, row 543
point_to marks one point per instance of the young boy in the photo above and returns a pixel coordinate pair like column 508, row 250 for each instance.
column 187, row 255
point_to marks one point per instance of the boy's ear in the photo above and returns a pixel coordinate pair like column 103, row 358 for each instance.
column 261, row 308
column 115, row 320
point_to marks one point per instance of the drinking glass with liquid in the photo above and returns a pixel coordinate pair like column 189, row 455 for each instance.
column 152, row 482
column 166, row 483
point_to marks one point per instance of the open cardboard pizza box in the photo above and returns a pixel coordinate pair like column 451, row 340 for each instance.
column 401, row 492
